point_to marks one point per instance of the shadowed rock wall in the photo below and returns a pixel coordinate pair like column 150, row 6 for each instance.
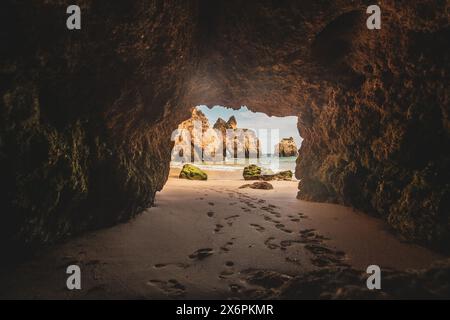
column 86, row 116
column 373, row 106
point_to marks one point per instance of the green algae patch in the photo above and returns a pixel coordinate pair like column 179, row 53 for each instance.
column 192, row 172
column 252, row 172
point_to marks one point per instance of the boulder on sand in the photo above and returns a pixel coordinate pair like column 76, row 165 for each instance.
column 282, row 175
column 191, row 172
column 258, row 185
column 252, row 172
column 286, row 148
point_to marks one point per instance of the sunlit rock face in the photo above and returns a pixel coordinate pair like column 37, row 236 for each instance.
column 195, row 140
column 86, row 117
column 237, row 142
column 192, row 138
column 286, row 148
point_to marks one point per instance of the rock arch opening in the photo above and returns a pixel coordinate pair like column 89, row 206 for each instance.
column 221, row 138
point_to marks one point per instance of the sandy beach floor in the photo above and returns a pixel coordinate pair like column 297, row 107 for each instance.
column 210, row 239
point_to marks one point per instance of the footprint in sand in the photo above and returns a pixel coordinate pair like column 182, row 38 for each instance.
column 171, row 287
column 235, row 288
column 271, row 211
column 282, row 227
column 302, row 215
column 163, row 265
column 308, row 233
column 225, row 274
column 322, row 255
column 269, row 243
column 229, row 271
column 325, row 257
column 267, row 218
column 210, row 214
column 265, row 278
column 309, row 236
column 226, row 247
column 288, row 243
column 316, row 249
column 201, row 254
column 218, row 228
column 211, row 203
column 230, row 220
column 258, row 227
column 293, row 260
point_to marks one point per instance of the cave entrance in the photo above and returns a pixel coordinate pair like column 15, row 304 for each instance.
column 221, row 139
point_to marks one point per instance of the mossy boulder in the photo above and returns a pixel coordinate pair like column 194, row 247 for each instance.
column 252, row 172
column 192, row 172
column 282, row 175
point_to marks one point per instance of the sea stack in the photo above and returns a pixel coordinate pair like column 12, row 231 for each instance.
column 286, row 148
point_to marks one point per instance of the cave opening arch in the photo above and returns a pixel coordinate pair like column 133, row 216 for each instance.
column 223, row 138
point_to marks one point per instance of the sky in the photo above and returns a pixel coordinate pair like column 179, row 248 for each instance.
column 245, row 118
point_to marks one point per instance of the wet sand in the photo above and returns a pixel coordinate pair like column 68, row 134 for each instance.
column 210, row 239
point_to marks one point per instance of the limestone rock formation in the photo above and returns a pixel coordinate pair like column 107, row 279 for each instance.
column 196, row 141
column 231, row 123
column 190, row 143
column 192, row 172
column 286, row 148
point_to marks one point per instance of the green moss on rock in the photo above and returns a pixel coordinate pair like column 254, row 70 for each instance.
column 282, row 175
column 192, row 172
column 252, row 172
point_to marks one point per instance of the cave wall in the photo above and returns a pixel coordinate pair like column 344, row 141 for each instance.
column 373, row 105
column 86, row 116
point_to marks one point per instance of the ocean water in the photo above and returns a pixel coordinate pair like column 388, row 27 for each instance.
column 269, row 163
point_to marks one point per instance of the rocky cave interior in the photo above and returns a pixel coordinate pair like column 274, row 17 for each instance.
column 86, row 117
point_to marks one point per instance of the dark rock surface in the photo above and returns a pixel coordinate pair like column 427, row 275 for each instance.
column 347, row 283
column 258, row 185
column 373, row 106
column 86, row 116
